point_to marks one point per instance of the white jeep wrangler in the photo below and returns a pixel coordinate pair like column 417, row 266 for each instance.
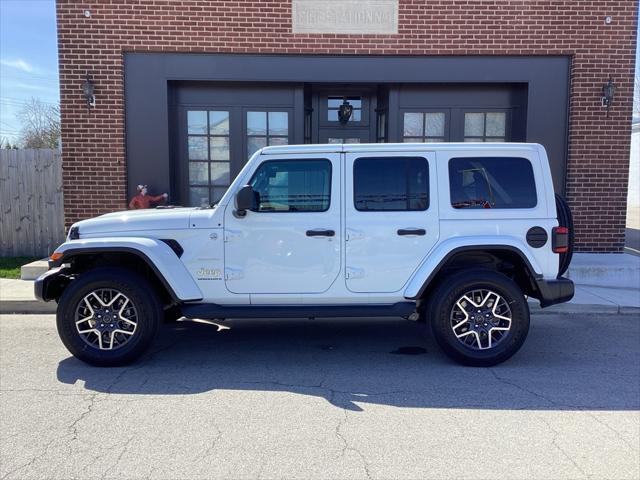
column 456, row 235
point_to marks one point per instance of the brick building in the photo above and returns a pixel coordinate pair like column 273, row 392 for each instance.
column 186, row 91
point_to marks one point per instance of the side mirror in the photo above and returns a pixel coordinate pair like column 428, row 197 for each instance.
column 245, row 200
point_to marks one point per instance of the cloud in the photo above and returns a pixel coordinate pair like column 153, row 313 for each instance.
column 18, row 64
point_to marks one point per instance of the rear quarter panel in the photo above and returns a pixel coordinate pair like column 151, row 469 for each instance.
column 464, row 227
column 504, row 223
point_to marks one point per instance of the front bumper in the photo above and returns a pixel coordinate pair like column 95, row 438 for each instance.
column 555, row 291
column 49, row 285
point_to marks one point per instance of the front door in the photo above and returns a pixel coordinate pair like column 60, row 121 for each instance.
column 391, row 218
column 290, row 242
column 345, row 115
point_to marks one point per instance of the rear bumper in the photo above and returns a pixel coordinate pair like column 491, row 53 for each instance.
column 49, row 285
column 555, row 291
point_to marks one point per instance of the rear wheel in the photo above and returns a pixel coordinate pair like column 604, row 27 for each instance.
column 108, row 316
column 479, row 318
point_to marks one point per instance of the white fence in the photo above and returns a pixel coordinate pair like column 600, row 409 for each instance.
column 31, row 202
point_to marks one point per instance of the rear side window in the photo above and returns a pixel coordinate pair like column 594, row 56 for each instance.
column 492, row 182
column 391, row 184
column 293, row 185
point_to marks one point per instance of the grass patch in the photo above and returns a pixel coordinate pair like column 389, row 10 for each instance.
column 10, row 266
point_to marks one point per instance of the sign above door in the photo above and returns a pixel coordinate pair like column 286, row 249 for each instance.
column 345, row 16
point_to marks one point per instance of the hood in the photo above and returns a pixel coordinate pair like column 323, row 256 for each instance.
column 136, row 221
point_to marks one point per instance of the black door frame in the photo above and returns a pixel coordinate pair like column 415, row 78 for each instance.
column 320, row 123
column 148, row 76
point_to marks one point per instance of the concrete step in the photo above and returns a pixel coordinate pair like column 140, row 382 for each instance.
column 33, row 270
column 620, row 270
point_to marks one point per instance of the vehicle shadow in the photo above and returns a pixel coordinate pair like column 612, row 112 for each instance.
column 567, row 363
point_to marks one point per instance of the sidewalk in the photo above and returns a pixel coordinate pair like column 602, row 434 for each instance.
column 605, row 283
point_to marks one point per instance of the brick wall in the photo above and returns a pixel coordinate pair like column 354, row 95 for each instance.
column 597, row 175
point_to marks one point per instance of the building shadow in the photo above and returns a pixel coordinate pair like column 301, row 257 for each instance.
column 567, row 363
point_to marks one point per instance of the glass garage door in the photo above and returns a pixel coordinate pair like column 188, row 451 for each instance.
column 456, row 125
column 208, row 155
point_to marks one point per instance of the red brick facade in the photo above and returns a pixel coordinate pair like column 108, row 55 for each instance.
column 597, row 168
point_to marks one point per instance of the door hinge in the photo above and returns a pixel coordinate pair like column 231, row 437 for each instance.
column 353, row 272
column 354, row 234
column 230, row 235
column 233, row 274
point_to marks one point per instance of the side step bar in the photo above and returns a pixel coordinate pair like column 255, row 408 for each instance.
column 211, row 311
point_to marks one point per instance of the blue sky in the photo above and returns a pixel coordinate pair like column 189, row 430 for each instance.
column 29, row 59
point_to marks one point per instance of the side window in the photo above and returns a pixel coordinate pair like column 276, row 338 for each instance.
column 293, row 186
column 391, row 184
column 492, row 182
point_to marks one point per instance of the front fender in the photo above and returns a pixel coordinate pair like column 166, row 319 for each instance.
column 441, row 253
column 156, row 253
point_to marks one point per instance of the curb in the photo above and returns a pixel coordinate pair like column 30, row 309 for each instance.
column 577, row 309
column 26, row 307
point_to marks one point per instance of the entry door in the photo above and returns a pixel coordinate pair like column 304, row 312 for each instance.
column 391, row 218
column 290, row 242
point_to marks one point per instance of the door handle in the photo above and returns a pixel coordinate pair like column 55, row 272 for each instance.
column 320, row 233
column 412, row 231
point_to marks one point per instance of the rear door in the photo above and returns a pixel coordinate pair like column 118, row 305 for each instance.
column 391, row 218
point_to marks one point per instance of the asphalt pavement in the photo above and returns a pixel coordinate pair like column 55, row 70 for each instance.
column 344, row 398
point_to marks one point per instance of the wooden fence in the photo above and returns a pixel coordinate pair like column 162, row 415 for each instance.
column 31, row 205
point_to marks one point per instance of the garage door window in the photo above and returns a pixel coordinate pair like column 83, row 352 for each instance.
column 209, row 160
column 424, row 127
column 485, row 126
column 266, row 128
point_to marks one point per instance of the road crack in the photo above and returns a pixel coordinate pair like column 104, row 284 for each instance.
column 349, row 447
column 554, row 442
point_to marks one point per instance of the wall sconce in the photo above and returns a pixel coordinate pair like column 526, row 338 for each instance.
column 345, row 111
column 88, row 89
column 608, row 91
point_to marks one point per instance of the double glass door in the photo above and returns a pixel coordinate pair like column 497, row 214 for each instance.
column 217, row 142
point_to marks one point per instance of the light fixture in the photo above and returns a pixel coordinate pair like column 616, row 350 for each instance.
column 345, row 111
column 88, row 89
column 608, row 92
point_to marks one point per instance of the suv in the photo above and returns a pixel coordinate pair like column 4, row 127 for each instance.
column 456, row 235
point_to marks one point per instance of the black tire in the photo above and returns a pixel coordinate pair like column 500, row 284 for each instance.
column 443, row 301
column 148, row 311
column 565, row 219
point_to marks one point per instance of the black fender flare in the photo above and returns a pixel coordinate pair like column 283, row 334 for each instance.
column 535, row 276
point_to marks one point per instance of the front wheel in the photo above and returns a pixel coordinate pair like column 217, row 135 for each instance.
column 108, row 316
column 479, row 318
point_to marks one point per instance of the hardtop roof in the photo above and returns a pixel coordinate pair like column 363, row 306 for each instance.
column 394, row 147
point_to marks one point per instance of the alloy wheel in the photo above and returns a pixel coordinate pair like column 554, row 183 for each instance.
column 106, row 319
column 481, row 319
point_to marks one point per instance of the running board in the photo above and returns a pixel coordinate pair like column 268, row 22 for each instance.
column 211, row 311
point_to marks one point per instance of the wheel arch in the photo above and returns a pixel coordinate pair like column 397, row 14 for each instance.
column 506, row 259
column 156, row 259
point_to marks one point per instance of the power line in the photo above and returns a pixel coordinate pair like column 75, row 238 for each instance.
column 20, row 103
column 21, row 74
